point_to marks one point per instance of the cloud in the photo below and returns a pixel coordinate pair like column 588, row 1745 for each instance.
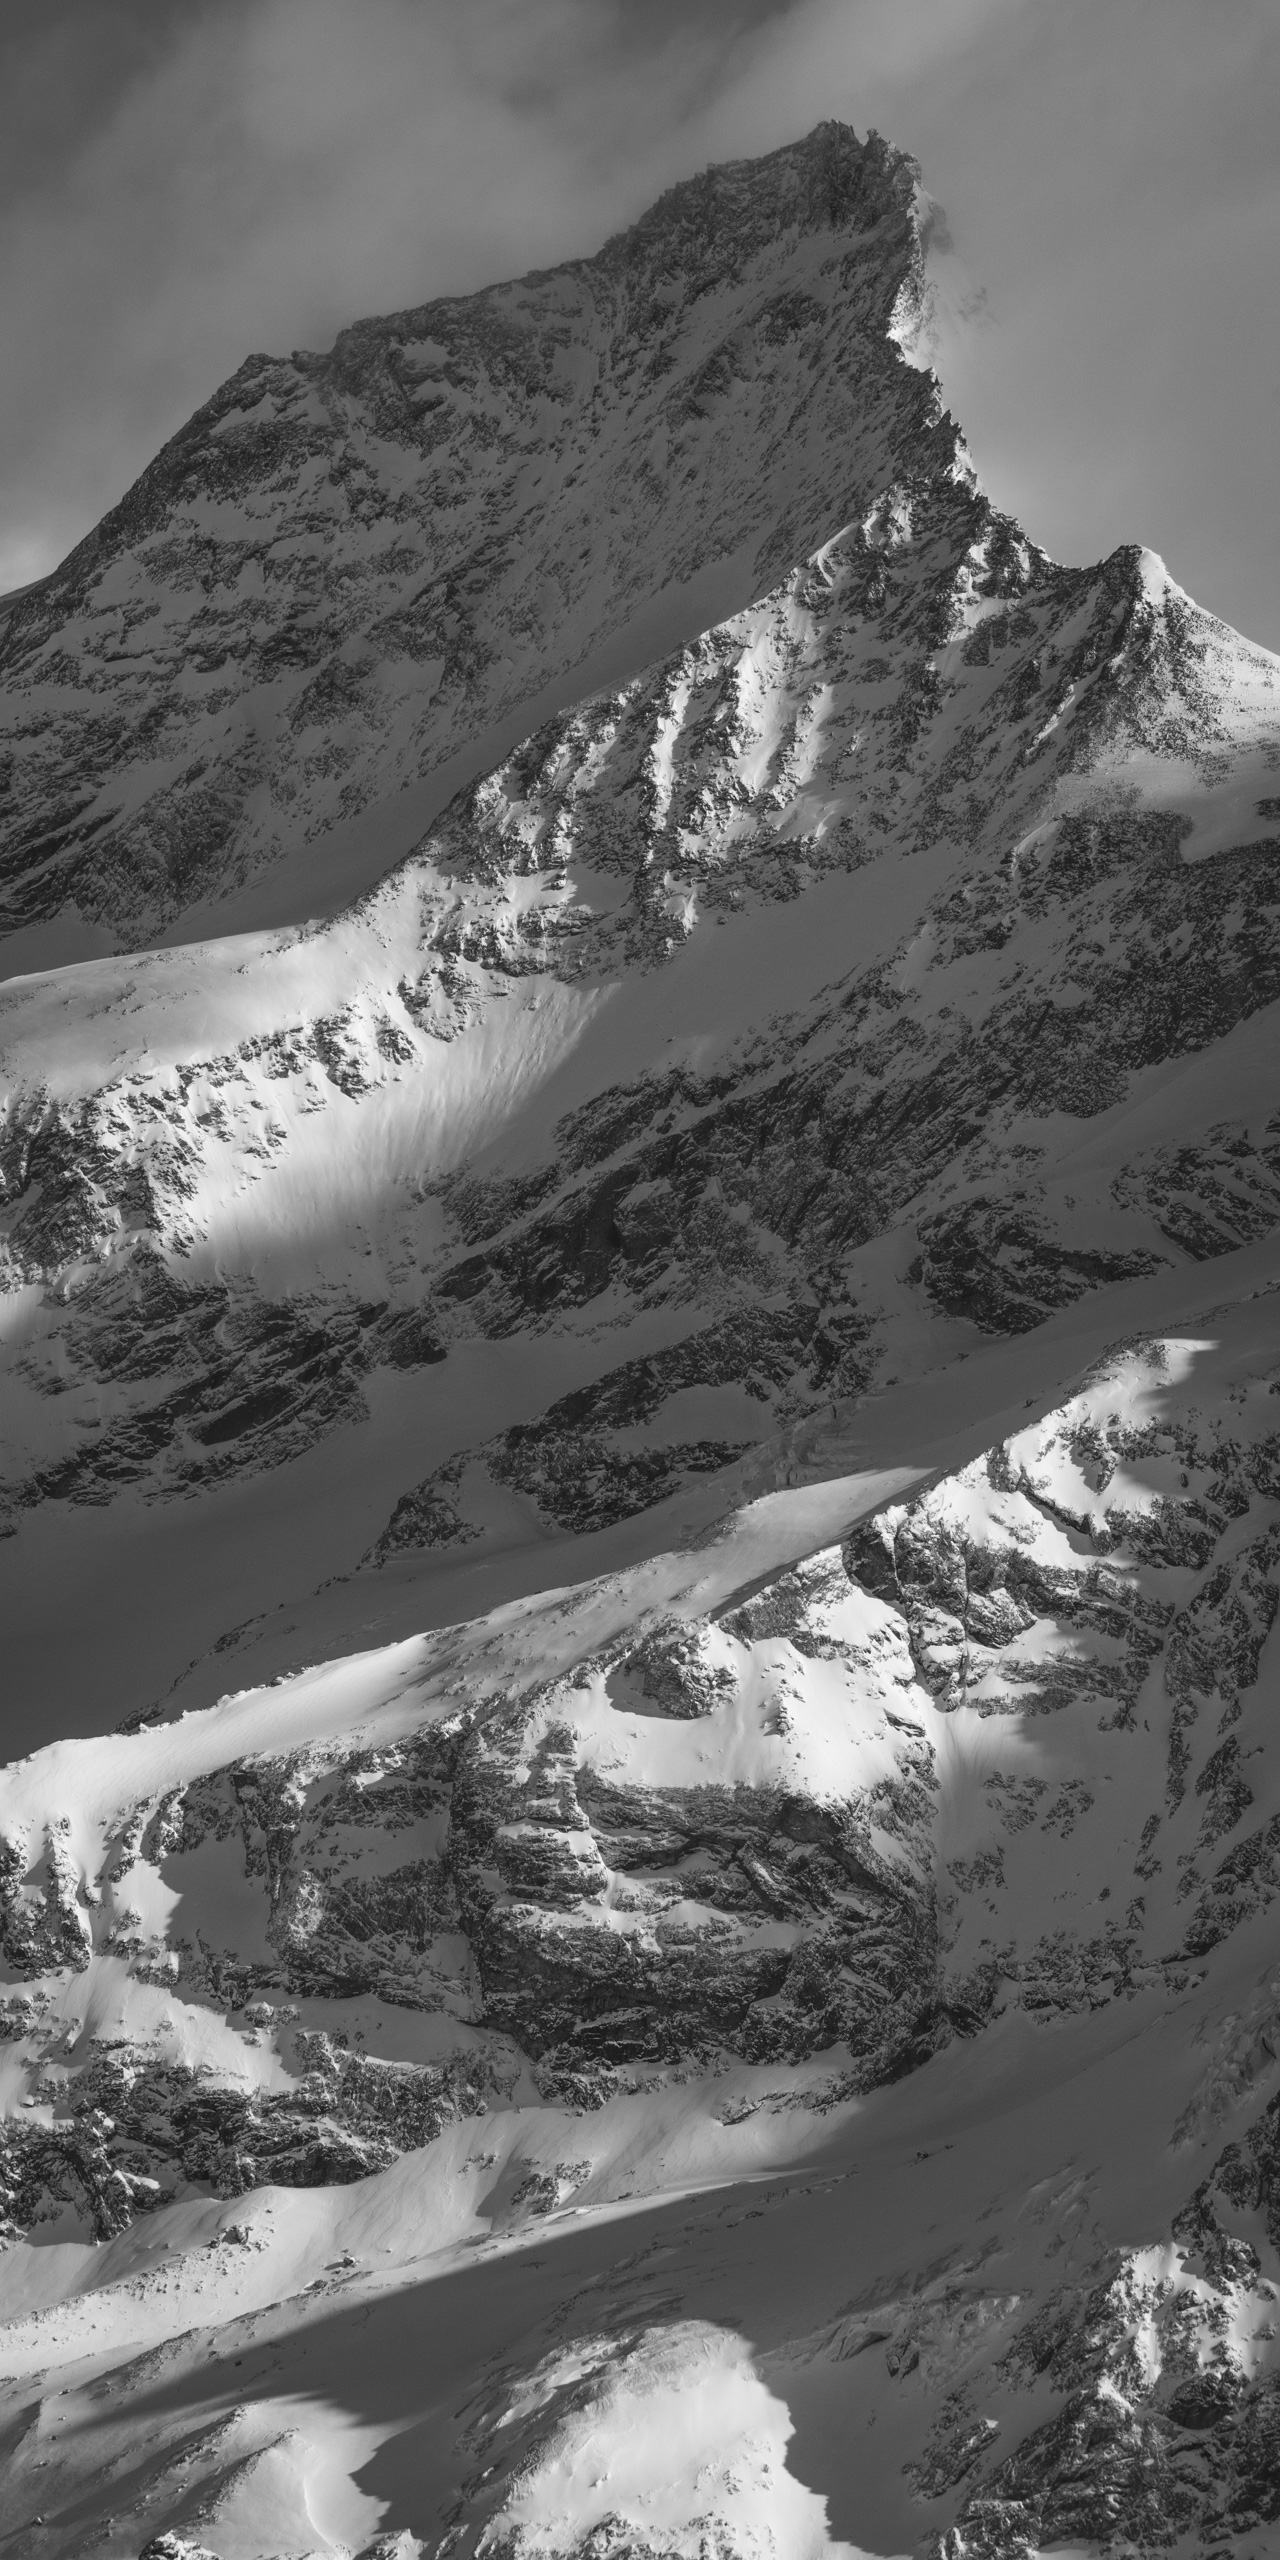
column 281, row 168
column 264, row 170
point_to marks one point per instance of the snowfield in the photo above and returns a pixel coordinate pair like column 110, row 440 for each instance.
column 640, row 1504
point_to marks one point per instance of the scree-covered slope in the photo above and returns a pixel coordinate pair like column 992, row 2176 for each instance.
column 641, row 1559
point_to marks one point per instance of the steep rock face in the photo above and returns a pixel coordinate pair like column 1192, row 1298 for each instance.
column 896, row 1140
column 1117, row 1568
column 560, row 1879
column 346, row 565
column 319, row 1880
column 626, row 1908
column 1009, row 1747
column 1169, row 2423
column 1077, row 943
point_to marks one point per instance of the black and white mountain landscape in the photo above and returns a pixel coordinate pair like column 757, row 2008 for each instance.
column 640, row 1233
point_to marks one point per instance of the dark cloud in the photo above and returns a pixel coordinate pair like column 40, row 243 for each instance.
column 64, row 68
column 183, row 180
column 252, row 173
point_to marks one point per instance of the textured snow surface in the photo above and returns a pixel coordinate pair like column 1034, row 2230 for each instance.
column 640, row 1550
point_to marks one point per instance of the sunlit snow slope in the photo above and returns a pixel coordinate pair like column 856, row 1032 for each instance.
column 641, row 1464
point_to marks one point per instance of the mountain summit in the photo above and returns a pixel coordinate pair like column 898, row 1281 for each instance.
column 350, row 567
column 641, row 1489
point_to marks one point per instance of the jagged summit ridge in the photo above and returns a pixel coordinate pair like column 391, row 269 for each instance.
column 828, row 181
column 349, row 564
column 467, row 1109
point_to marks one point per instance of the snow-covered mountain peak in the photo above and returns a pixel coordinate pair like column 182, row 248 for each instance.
column 640, row 1550
column 351, row 570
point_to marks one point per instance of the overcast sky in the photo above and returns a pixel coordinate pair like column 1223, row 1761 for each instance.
column 183, row 181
